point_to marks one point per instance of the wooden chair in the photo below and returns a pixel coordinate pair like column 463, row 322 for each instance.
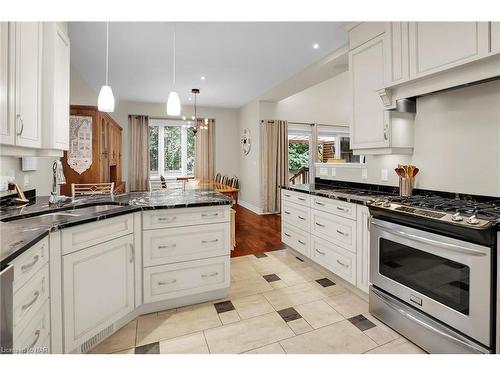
column 235, row 183
column 218, row 178
column 100, row 188
column 156, row 185
column 225, row 179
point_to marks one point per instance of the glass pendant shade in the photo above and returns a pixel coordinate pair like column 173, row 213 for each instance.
column 106, row 100
column 173, row 104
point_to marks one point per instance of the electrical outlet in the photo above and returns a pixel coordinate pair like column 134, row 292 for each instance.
column 384, row 175
column 364, row 173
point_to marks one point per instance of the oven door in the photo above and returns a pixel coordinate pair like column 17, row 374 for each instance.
column 446, row 278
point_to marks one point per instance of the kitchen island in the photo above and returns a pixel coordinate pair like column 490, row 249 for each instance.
column 87, row 267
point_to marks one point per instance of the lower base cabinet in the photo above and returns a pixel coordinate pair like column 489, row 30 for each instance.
column 296, row 238
column 35, row 338
column 98, row 290
column 336, row 259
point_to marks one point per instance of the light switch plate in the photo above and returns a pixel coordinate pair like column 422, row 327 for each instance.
column 364, row 173
column 383, row 175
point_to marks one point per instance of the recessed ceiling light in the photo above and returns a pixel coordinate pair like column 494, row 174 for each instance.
column 189, row 99
column 315, row 45
column 202, row 78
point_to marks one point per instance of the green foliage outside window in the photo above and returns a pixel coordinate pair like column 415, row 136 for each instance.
column 298, row 155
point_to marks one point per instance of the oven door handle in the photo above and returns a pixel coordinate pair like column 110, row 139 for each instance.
column 428, row 241
column 422, row 323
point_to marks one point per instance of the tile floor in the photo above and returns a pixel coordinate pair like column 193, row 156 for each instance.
column 277, row 304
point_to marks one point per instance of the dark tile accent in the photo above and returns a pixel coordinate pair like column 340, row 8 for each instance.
column 260, row 255
column 299, row 259
column 325, row 282
column 289, row 314
column 271, row 277
column 361, row 322
column 223, row 306
column 153, row 348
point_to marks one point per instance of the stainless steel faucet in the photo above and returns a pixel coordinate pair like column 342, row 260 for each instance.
column 58, row 178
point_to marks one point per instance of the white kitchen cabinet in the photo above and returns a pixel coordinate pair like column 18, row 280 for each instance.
column 6, row 132
column 437, row 46
column 396, row 63
column 495, row 37
column 55, row 100
column 27, row 51
column 363, row 248
column 297, row 239
column 98, row 290
column 334, row 258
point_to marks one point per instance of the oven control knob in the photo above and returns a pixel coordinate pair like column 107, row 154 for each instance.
column 386, row 204
column 473, row 220
column 457, row 217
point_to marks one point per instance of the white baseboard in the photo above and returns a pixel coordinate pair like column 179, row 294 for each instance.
column 253, row 208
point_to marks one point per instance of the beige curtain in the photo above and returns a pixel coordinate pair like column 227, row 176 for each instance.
column 204, row 151
column 274, row 162
column 139, row 153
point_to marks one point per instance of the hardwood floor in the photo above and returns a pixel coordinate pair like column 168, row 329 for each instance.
column 256, row 233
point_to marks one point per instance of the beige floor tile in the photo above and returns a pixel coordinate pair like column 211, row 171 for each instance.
column 243, row 288
column 398, row 346
column 189, row 344
column 268, row 349
column 164, row 313
column 229, row 317
column 251, row 306
column 243, row 270
column 179, row 323
column 122, row 339
column 268, row 265
column 348, row 304
column 318, row 314
column 248, row 334
column 299, row 326
column 280, row 284
column 292, row 278
column 292, row 295
column 340, row 337
column 333, row 290
column 381, row 334
column 126, row 351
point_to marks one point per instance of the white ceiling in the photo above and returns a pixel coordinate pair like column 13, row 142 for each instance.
column 240, row 61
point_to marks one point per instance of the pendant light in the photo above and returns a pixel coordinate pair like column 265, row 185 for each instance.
column 173, row 103
column 195, row 128
column 106, row 100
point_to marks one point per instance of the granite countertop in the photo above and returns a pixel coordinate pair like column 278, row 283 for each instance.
column 22, row 227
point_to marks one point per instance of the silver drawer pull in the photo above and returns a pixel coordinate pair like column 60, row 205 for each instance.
column 210, row 241
column 301, row 217
column 210, row 215
column 342, row 264
column 167, row 282
column 319, row 203
column 320, row 225
column 26, row 267
column 302, row 242
column 287, row 212
column 341, row 233
column 169, row 218
column 37, row 336
column 30, row 303
column 342, row 209
column 301, row 199
column 286, row 234
column 320, row 252
column 210, row 274
column 167, row 246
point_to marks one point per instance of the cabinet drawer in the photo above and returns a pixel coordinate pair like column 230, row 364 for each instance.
column 177, row 217
column 334, row 206
column 334, row 258
column 296, row 215
column 86, row 235
column 296, row 238
column 29, row 263
column 36, row 333
column 339, row 230
column 295, row 197
column 28, row 299
column 162, row 246
column 186, row 278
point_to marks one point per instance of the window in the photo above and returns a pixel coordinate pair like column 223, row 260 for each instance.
column 171, row 148
column 299, row 153
column 334, row 146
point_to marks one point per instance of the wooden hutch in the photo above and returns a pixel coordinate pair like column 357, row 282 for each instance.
column 106, row 152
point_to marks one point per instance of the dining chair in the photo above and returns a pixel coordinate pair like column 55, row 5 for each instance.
column 224, row 180
column 218, row 178
column 157, row 185
column 235, row 183
column 99, row 188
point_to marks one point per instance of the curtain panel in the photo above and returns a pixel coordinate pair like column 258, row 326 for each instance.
column 204, row 151
column 139, row 153
column 274, row 162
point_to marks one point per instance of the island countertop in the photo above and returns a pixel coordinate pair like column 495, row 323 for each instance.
column 22, row 227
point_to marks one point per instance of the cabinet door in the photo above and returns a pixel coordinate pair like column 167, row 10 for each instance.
column 363, row 248
column 28, row 83
column 98, row 289
column 396, row 62
column 104, row 148
column 436, row 46
column 368, row 128
column 495, row 37
column 6, row 130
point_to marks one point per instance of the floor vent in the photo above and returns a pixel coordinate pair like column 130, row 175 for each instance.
column 89, row 344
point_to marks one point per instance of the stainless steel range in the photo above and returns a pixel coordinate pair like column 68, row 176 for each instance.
column 433, row 270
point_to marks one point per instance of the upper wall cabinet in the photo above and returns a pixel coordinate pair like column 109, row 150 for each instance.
column 6, row 133
column 436, row 46
column 55, row 102
column 396, row 58
column 495, row 37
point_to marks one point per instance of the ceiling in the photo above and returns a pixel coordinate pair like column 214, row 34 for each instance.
column 240, row 61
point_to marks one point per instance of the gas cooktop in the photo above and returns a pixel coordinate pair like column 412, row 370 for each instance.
column 468, row 212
